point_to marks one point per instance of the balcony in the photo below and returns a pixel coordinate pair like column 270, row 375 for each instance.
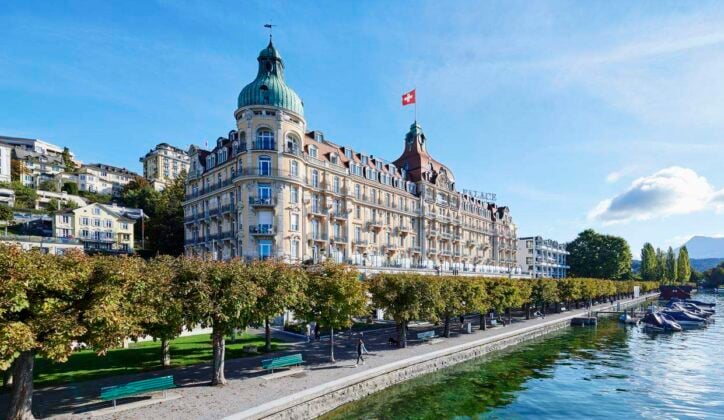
column 296, row 151
column 446, row 253
column 415, row 249
column 318, row 236
column 432, row 233
column 390, row 248
column 226, row 235
column 262, row 230
column 339, row 239
column 446, row 236
column 319, row 211
column 208, row 189
column 405, row 230
column 259, row 202
column 469, row 243
column 227, row 208
column 339, row 214
column 272, row 173
column 263, row 145
column 362, row 243
column 376, row 224
column 432, row 250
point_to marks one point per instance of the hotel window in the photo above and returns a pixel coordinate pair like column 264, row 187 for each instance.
column 124, row 226
column 335, row 185
column 313, row 151
column 265, row 248
column 292, row 144
column 333, row 158
column 96, row 210
column 295, row 222
column 264, row 139
column 357, row 233
column 294, row 195
column 315, row 178
column 294, row 250
column 357, row 191
column 364, row 159
column 264, row 193
column 264, row 165
column 359, row 212
column 294, row 168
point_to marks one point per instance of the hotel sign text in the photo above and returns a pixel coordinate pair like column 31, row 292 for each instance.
column 485, row 196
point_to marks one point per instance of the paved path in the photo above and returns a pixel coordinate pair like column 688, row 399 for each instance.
column 246, row 387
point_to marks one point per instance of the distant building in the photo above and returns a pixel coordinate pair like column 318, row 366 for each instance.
column 542, row 258
column 39, row 160
column 48, row 245
column 163, row 164
column 33, row 145
column 100, row 227
column 44, row 198
column 103, row 179
column 7, row 197
column 5, row 159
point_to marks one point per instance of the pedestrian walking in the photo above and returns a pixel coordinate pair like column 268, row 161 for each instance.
column 361, row 350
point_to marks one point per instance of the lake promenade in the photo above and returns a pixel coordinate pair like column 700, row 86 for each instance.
column 320, row 387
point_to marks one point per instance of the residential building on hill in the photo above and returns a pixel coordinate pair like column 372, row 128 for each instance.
column 103, row 179
column 164, row 163
column 38, row 160
column 6, row 152
column 271, row 188
column 100, row 227
column 47, row 245
column 543, row 258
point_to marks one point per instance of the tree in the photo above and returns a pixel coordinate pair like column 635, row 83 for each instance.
column 24, row 196
column 47, row 302
column 219, row 295
column 163, row 295
column 544, row 292
column 474, row 297
column 405, row 297
column 661, row 272
column 166, row 223
column 671, row 271
column 449, row 290
column 648, row 262
column 70, row 188
column 569, row 291
column 6, row 214
column 333, row 294
column 48, row 185
column 683, row 265
column 281, row 287
column 599, row 256
column 714, row 277
column 68, row 161
column 53, row 206
column 17, row 169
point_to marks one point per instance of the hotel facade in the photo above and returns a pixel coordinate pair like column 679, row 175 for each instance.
column 271, row 188
column 543, row 258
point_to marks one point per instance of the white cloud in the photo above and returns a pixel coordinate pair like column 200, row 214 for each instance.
column 616, row 175
column 670, row 191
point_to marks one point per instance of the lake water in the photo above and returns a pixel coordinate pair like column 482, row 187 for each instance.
column 609, row 371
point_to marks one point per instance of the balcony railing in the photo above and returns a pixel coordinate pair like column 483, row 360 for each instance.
column 319, row 211
column 432, row 250
column 262, row 201
column 376, row 224
column 269, row 172
column 361, row 242
column 319, row 236
column 339, row 214
column 208, row 189
column 226, row 208
column 339, row 239
column 263, row 145
column 261, row 230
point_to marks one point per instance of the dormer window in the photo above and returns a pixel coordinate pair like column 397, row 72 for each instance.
column 348, row 153
column 313, row 151
column 333, row 158
column 378, row 165
column 364, row 159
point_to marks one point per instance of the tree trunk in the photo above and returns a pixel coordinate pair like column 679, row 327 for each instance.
column 219, row 345
column 527, row 311
column 510, row 316
column 331, row 344
column 267, row 335
column 482, row 322
column 8, row 378
column 165, row 352
column 403, row 334
column 21, row 398
column 446, row 332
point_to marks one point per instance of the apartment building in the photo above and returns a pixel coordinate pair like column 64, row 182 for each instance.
column 5, row 161
column 271, row 188
column 100, row 227
column 38, row 160
column 103, row 179
column 163, row 164
column 542, row 258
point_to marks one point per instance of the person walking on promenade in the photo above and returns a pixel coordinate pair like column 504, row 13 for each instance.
column 361, row 349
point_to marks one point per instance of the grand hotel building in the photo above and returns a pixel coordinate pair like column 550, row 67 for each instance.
column 271, row 188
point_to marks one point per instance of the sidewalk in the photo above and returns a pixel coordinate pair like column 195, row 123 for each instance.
column 247, row 387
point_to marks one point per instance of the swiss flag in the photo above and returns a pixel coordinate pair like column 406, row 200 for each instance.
column 408, row 98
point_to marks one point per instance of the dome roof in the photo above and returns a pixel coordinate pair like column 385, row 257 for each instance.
column 269, row 87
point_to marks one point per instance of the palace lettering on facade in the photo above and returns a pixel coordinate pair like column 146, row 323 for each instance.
column 273, row 189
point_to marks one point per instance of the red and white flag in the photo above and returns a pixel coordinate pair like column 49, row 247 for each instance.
column 408, row 98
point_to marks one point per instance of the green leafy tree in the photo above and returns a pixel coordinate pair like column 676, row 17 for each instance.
column 219, row 295
column 599, row 256
column 671, row 271
column 70, row 188
column 333, row 294
column 405, row 297
column 47, row 302
column 48, row 185
column 17, row 170
column 544, row 292
column 661, row 272
column 166, row 320
column 449, row 291
column 683, row 265
column 714, row 277
column 474, row 297
column 68, row 161
column 165, row 228
column 649, row 270
column 6, row 214
column 569, row 290
column 281, row 287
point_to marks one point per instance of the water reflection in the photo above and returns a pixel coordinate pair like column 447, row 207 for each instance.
column 610, row 371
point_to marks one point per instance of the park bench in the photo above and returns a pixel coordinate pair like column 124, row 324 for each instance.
column 284, row 361
column 136, row 388
column 426, row 336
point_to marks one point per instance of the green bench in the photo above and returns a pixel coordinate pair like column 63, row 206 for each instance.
column 427, row 335
column 136, row 388
column 284, row 361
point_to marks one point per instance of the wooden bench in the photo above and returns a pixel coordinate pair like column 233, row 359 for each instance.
column 136, row 388
column 427, row 335
column 284, row 361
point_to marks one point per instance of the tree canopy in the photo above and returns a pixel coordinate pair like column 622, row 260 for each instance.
column 594, row 255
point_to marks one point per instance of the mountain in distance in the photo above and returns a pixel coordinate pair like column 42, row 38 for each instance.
column 701, row 247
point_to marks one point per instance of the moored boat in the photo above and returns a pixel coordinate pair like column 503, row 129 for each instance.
column 684, row 318
column 653, row 321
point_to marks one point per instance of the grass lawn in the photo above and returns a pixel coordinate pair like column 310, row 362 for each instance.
column 86, row 365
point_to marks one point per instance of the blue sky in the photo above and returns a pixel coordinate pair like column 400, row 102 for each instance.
column 577, row 114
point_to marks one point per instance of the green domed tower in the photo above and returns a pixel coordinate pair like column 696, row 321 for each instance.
column 269, row 87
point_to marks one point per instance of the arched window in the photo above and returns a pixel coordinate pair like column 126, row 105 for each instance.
column 264, row 139
column 292, row 144
column 264, row 166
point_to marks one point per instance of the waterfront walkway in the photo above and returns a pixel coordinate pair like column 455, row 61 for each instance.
column 248, row 390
